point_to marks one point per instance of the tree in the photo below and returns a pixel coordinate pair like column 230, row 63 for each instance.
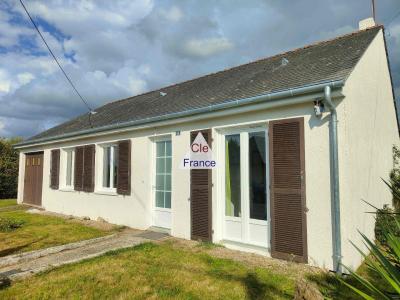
column 8, row 168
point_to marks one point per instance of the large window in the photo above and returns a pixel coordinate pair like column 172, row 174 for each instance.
column 163, row 174
column 110, row 166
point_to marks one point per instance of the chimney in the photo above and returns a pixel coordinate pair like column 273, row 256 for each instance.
column 366, row 23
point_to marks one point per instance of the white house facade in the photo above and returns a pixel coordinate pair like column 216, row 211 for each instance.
column 273, row 189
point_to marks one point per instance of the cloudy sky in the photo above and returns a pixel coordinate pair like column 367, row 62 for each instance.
column 115, row 49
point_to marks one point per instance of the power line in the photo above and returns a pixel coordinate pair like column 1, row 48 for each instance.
column 56, row 60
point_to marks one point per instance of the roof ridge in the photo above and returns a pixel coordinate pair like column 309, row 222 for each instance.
column 314, row 44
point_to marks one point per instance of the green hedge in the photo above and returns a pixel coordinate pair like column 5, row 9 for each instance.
column 8, row 168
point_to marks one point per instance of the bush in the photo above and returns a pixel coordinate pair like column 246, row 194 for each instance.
column 7, row 224
column 386, row 221
column 8, row 168
column 395, row 178
column 383, row 262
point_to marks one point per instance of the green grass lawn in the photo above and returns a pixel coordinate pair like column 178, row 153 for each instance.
column 167, row 271
column 157, row 272
column 41, row 231
column 7, row 202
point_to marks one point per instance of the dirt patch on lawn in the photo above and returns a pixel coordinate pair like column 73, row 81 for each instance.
column 293, row 270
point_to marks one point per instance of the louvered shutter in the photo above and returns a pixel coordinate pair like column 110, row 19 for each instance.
column 88, row 168
column 200, row 197
column 124, row 168
column 287, row 190
column 55, row 169
column 78, row 169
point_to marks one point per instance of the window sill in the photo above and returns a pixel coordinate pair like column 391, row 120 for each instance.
column 67, row 189
column 108, row 193
column 162, row 209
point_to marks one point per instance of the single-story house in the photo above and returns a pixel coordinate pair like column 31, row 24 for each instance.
column 299, row 138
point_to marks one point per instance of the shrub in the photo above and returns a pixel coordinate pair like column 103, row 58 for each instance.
column 8, row 168
column 386, row 221
column 8, row 224
column 395, row 178
column 384, row 262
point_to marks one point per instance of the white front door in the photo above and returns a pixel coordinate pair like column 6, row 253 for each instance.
column 162, row 184
column 245, row 187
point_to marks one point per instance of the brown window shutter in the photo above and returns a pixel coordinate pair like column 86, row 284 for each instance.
column 88, row 168
column 78, row 169
column 55, row 169
column 287, row 190
column 200, row 197
column 124, row 168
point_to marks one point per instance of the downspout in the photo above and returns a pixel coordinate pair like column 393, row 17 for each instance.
column 333, row 137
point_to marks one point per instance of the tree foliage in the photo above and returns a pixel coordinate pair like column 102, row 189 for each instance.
column 8, row 168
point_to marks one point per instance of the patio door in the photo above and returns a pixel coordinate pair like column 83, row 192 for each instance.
column 246, row 198
column 162, row 187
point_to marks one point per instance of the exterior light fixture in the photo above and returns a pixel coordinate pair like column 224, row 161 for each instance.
column 318, row 108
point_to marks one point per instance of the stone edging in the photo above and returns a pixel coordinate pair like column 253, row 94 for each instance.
column 22, row 257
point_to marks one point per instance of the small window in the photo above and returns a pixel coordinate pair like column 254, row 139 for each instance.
column 69, row 170
column 27, row 161
column 110, row 166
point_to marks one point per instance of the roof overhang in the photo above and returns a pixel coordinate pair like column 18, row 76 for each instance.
column 273, row 99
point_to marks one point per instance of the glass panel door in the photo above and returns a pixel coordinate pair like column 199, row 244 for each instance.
column 232, row 176
column 245, row 176
column 257, row 176
column 162, row 184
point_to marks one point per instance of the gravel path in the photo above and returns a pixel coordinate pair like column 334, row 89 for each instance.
column 26, row 264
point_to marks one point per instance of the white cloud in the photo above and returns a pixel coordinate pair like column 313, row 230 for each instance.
column 173, row 14
column 206, row 47
column 124, row 47
column 25, row 78
column 5, row 82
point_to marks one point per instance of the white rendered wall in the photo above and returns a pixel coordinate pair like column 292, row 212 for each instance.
column 367, row 132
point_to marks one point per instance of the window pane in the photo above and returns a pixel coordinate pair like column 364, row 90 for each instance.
column 167, row 199
column 69, row 168
column 115, row 166
column 257, row 176
column 168, row 182
column 168, row 165
column 160, row 165
column 160, row 199
column 160, row 149
column 160, row 185
column 232, row 175
column 168, row 148
column 106, row 167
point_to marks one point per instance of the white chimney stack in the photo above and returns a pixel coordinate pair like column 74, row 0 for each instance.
column 366, row 23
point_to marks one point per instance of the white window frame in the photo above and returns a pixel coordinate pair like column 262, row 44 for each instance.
column 112, row 189
column 160, row 139
column 64, row 167
column 243, row 130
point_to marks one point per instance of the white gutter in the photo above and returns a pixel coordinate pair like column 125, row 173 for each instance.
column 272, row 99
